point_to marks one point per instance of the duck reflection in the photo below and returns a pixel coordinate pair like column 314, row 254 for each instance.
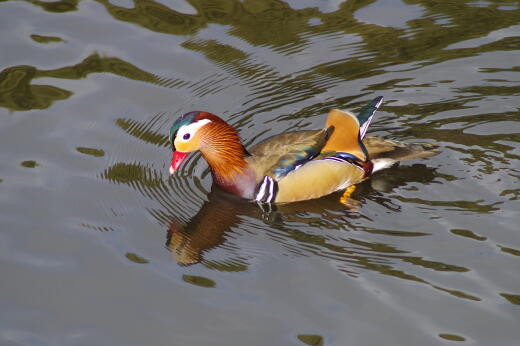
column 207, row 228
column 223, row 212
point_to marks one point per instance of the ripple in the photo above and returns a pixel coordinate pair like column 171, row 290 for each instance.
column 142, row 131
column 97, row 228
column 180, row 194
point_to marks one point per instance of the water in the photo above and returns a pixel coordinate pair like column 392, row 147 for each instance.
column 99, row 246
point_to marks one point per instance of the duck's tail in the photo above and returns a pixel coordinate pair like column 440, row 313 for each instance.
column 366, row 114
column 385, row 153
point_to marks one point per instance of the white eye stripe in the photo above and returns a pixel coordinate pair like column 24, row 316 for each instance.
column 190, row 130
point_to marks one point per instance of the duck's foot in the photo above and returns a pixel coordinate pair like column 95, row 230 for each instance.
column 349, row 191
column 350, row 202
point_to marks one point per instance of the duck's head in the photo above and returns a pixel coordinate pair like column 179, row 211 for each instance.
column 185, row 136
column 201, row 131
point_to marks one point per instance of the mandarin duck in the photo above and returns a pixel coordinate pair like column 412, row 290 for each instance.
column 292, row 166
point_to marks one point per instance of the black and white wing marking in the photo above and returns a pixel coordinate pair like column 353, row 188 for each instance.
column 266, row 191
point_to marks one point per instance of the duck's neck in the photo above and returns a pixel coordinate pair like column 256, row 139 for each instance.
column 225, row 154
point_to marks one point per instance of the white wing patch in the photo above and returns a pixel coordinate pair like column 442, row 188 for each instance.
column 380, row 164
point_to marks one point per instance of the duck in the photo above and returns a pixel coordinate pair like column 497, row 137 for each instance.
column 291, row 166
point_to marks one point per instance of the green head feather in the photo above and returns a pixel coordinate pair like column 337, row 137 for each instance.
column 186, row 119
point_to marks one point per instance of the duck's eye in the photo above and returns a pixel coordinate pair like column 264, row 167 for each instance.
column 186, row 136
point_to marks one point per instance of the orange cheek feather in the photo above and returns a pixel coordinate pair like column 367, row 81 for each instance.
column 192, row 145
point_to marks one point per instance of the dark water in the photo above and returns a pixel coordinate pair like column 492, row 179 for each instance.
column 99, row 246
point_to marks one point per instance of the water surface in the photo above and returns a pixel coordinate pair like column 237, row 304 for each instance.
column 100, row 246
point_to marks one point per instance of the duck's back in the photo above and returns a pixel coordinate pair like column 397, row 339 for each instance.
column 276, row 156
column 304, row 165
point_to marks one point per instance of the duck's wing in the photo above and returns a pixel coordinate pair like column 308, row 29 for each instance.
column 277, row 156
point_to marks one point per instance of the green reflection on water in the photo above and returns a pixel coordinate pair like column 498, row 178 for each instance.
column 513, row 193
column 227, row 266
column 424, row 42
column 493, row 70
column 198, row 281
column 46, row 39
column 96, row 228
column 512, row 298
column 437, row 266
column 132, row 174
column 18, row 93
column 467, row 234
column 451, row 337
column 492, row 90
column 29, row 164
column 276, row 24
column 91, row 151
column 136, row 258
column 57, row 6
column 141, row 131
column 509, row 250
column 155, row 17
column 311, row 339
column 471, row 206
column 98, row 64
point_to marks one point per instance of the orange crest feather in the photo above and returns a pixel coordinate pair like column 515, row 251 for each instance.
column 222, row 149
